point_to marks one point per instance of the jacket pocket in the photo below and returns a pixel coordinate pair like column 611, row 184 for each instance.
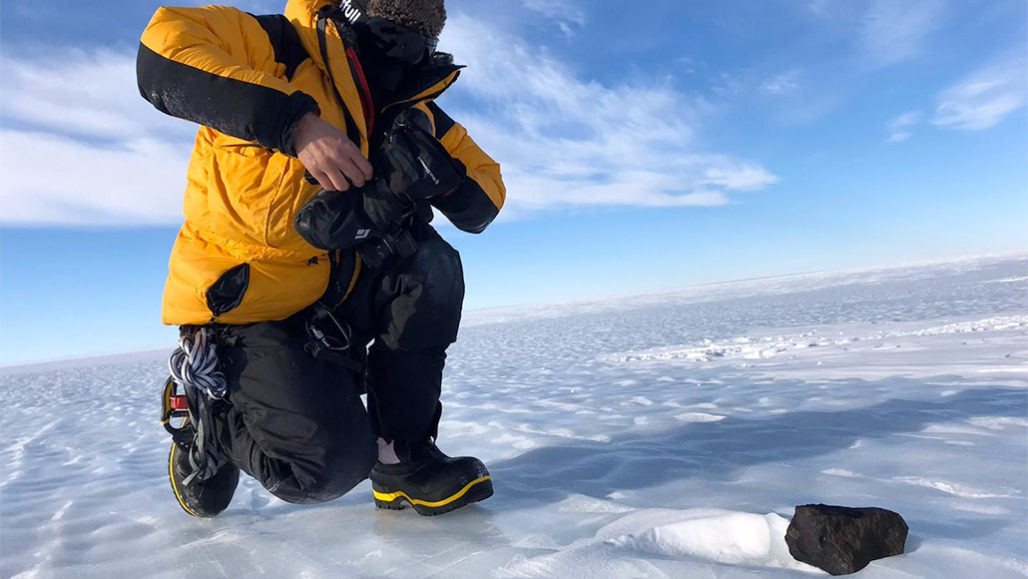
column 227, row 292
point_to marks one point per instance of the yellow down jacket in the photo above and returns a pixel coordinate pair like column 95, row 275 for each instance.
column 247, row 80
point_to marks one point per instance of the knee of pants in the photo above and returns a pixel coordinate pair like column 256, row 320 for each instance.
column 315, row 460
column 317, row 490
column 428, row 298
column 309, row 485
column 438, row 267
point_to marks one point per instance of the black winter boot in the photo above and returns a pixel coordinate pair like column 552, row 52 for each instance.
column 200, row 498
column 202, row 477
column 428, row 480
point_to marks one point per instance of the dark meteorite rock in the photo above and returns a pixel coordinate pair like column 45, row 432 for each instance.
column 842, row 540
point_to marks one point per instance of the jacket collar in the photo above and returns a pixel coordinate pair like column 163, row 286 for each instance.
column 325, row 34
column 431, row 81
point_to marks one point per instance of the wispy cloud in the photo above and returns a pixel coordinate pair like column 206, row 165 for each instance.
column 564, row 141
column 99, row 154
column 900, row 127
column 49, row 179
column 818, row 7
column 566, row 14
column 985, row 97
column 782, row 83
column 81, row 147
column 895, row 30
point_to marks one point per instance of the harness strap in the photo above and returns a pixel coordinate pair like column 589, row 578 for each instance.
column 175, row 405
column 352, row 130
column 330, row 339
column 322, row 353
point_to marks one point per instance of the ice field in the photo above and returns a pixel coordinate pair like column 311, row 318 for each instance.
column 664, row 435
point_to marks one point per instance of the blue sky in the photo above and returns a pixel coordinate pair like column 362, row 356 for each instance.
column 645, row 146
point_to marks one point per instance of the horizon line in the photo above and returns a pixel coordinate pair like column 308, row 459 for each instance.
column 72, row 361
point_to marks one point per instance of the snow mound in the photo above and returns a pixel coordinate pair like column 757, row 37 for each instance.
column 644, row 542
column 718, row 536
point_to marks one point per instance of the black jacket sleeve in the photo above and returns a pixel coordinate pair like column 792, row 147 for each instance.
column 473, row 205
column 223, row 68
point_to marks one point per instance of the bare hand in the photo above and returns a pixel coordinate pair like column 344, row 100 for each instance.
column 329, row 155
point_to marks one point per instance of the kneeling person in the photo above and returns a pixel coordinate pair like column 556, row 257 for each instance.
column 298, row 251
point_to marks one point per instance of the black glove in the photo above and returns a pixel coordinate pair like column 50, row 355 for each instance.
column 414, row 163
column 336, row 220
column 393, row 216
column 371, row 219
column 411, row 166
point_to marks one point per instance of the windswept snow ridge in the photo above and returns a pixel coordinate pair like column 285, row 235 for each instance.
column 769, row 346
column 667, row 435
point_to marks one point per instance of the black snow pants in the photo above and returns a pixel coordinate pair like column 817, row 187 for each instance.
column 296, row 423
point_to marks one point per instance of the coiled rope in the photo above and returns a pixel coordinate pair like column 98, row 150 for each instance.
column 194, row 367
column 195, row 363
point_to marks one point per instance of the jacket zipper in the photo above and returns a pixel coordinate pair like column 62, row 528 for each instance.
column 352, row 130
column 367, row 103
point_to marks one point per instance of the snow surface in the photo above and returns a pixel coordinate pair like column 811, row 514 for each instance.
column 667, row 435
